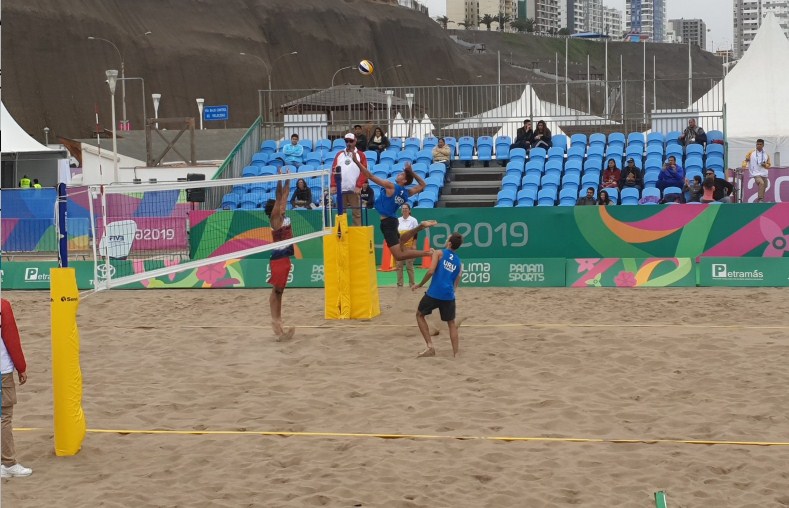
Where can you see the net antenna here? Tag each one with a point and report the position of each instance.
(144, 231)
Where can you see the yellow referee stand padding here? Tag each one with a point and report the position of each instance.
(349, 272)
(66, 375)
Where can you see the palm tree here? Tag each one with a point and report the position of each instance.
(443, 21)
(487, 20)
(502, 20)
(522, 25)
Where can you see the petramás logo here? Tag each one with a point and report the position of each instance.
(32, 274)
(721, 271)
(527, 272)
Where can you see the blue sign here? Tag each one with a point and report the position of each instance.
(216, 113)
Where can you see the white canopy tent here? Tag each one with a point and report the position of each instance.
(509, 117)
(22, 155)
(756, 98)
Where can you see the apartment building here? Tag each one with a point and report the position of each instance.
(545, 14)
(748, 15)
(646, 17)
(693, 31)
(581, 16)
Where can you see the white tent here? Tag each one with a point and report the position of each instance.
(756, 100)
(22, 155)
(509, 117)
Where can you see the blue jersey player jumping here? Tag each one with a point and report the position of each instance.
(445, 270)
(388, 201)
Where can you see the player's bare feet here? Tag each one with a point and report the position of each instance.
(459, 321)
(427, 353)
(287, 334)
(276, 325)
(434, 331)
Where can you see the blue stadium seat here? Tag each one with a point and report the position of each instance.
(616, 139)
(518, 155)
(655, 138)
(636, 138)
(613, 194)
(655, 151)
(590, 180)
(396, 143)
(593, 165)
(535, 166)
(567, 197)
(712, 149)
(556, 153)
(504, 203)
(715, 162)
(338, 143)
(672, 138)
(314, 158)
(512, 181)
(714, 135)
(547, 197)
(554, 166)
(413, 144)
(578, 140)
(694, 163)
(387, 156)
(595, 151)
(437, 169)
(653, 192)
(651, 177)
(537, 153)
(671, 190)
(260, 159)
(508, 193)
(421, 168)
(323, 145)
(550, 181)
(250, 171)
(429, 142)
(690, 173)
(405, 156)
(576, 152)
(230, 201)
(573, 166)
(466, 148)
(531, 181)
(268, 146)
(571, 181)
(372, 156)
(453, 143)
(694, 149)
(676, 151)
(503, 148)
(514, 168)
(559, 141)
(630, 196)
(485, 148)
(653, 162)
(307, 144)
(527, 197)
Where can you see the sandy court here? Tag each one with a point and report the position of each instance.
(700, 364)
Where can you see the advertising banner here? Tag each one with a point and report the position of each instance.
(770, 272)
(513, 272)
(777, 187)
(628, 272)
(150, 233)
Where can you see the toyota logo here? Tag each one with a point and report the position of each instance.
(105, 271)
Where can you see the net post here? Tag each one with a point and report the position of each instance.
(62, 215)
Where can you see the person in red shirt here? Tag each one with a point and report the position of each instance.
(11, 358)
(611, 175)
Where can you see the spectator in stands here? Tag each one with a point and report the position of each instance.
(604, 199)
(523, 136)
(36, 185)
(693, 134)
(672, 175)
(442, 153)
(631, 176)
(611, 175)
(694, 189)
(708, 189)
(588, 199)
(361, 138)
(407, 222)
(12, 358)
(349, 164)
(378, 142)
(757, 162)
(542, 136)
(24, 182)
(302, 195)
(293, 154)
(367, 195)
(723, 189)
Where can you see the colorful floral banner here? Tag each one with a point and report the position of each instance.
(629, 272)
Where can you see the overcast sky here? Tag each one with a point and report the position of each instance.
(717, 14)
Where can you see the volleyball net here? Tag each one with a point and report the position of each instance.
(144, 231)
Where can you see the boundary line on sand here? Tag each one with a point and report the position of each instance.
(366, 324)
(422, 436)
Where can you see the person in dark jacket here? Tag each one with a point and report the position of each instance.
(302, 195)
(542, 136)
(723, 188)
(638, 176)
(523, 136)
(367, 195)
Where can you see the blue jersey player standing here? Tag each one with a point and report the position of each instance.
(445, 270)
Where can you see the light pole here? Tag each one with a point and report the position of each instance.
(388, 69)
(200, 103)
(157, 97)
(112, 80)
(389, 94)
(123, 75)
(409, 97)
(269, 68)
(142, 81)
(339, 71)
(46, 136)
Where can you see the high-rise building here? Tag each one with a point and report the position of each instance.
(690, 31)
(468, 12)
(748, 15)
(646, 17)
(591, 16)
(545, 14)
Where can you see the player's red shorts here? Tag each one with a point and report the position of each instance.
(280, 269)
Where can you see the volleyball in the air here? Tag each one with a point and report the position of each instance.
(365, 67)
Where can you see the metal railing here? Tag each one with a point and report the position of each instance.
(473, 110)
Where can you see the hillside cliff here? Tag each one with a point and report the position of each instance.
(54, 75)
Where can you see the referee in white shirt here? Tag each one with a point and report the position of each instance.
(407, 222)
(349, 163)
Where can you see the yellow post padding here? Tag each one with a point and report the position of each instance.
(66, 375)
(349, 272)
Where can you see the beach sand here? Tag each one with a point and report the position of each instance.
(660, 364)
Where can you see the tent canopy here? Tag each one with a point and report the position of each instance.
(16, 141)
